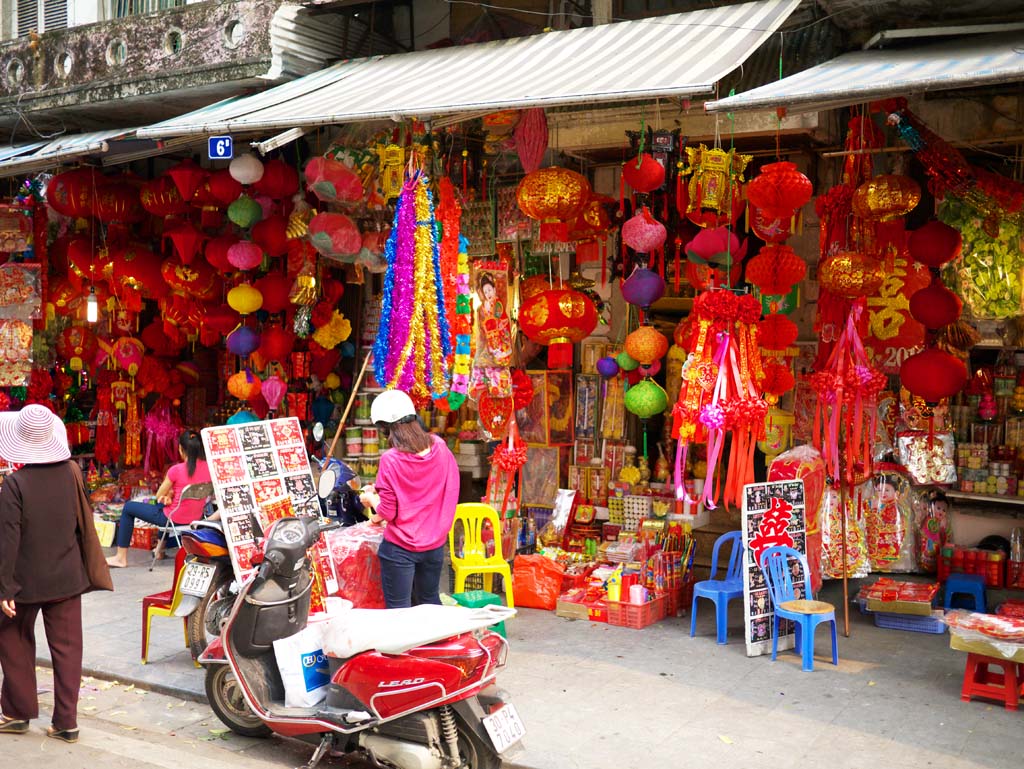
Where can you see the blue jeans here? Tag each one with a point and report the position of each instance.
(142, 511)
(410, 578)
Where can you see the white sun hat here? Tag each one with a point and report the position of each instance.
(33, 436)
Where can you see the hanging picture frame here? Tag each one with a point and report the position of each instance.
(540, 476)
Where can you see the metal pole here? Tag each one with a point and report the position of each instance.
(846, 587)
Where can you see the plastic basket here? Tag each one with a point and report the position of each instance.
(674, 605)
(910, 622)
(636, 615)
(476, 582)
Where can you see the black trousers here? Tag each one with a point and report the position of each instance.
(63, 623)
(410, 578)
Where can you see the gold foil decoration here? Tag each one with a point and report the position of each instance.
(851, 274)
(886, 197)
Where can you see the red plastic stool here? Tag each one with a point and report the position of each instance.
(979, 681)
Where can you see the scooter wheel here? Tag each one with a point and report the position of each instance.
(227, 702)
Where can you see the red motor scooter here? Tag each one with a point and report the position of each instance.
(409, 688)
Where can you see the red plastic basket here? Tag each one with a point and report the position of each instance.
(674, 604)
(636, 615)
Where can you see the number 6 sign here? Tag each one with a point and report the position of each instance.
(220, 148)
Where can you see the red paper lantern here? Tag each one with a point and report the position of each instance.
(186, 240)
(776, 332)
(935, 305)
(558, 318)
(78, 346)
(64, 297)
(279, 180)
(276, 343)
(851, 274)
(160, 197)
(530, 287)
(272, 235)
(187, 177)
(196, 279)
(779, 190)
(776, 269)
(643, 233)
(335, 235)
(643, 173)
(138, 269)
(217, 252)
(71, 193)
(275, 287)
(223, 187)
(933, 375)
(117, 201)
(332, 181)
(221, 319)
(934, 244)
(778, 380)
(245, 255)
(554, 196)
(770, 229)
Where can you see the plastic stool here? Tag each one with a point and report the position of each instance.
(474, 599)
(967, 584)
(979, 681)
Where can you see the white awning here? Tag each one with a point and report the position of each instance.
(678, 55)
(38, 156)
(862, 76)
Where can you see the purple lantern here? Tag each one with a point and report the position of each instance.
(643, 288)
(607, 367)
(243, 341)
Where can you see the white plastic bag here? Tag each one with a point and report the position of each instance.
(303, 666)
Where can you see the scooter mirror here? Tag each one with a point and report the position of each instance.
(318, 432)
(326, 484)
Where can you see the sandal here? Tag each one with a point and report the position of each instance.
(13, 725)
(66, 735)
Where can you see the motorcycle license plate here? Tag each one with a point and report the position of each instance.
(196, 578)
(504, 727)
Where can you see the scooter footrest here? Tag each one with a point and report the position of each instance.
(344, 717)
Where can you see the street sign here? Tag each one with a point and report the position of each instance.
(220, 148)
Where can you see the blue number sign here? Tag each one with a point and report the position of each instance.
(220, 148)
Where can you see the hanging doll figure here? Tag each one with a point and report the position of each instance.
(932, 531)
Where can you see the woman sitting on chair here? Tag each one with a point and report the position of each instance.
(169, 507)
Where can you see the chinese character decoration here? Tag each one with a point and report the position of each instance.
(773, 531)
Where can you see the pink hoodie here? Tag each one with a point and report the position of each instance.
(418, 496)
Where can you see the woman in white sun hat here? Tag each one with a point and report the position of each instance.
(45, 543)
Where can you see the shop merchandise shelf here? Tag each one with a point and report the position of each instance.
(910, 622)
(997, 498)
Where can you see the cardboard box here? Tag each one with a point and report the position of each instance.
(571, 610)
(981, 647)
(917, 608)
(105, 531)
(597, 611)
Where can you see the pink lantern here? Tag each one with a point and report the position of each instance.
(128, 353)
(245, 255)
(332, 181)
(273, 390)
(335, 235)
(643, 233)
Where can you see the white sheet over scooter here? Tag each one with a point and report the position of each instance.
(395, 631)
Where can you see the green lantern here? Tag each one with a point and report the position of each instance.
(626, 361)
(245, 212)
(646, 399)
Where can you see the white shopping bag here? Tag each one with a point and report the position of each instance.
(303, 665)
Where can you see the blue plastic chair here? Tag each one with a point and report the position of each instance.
(805, 612)
(720, 591)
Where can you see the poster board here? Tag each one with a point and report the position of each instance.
(773, 514)
(261, 473)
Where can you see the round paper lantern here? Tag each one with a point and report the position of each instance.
(86, 266)
(279, 180)
(118, 201)
(778, 380)
(245, 255)
(244, 385)
(187, 177)
(246, 169)
(553, 196)
(646, 399)
(64, 297)
(275, 287)
(243, 340)
(332, 181)
(626, 362)
(776, 332)
(779, 190)
(934, 244)
(335, 235)
(593, 220)
(160, 197)
(217, 252)
(245, 299)
(78, 346)
(245, 211)
(198, 279)
(272, 235)
(933, 375)
(558, 318)
(643, 173)
(224, 187)
(128, 353)
(771, 229)
(776, 269)
(643, 287)
(646, 345)
(935, 306)
(139, 269)
(273, 390)
(851, 274)
(221, 319)
(886, 197)
(607, 367)
(71, 193)
(277, 343)
(533, 285)
(643, 233)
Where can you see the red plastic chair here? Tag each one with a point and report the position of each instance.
(163, 605)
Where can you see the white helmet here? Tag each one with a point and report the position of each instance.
(391, 407)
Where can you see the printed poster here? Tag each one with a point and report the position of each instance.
(261, 473)
(773, 514)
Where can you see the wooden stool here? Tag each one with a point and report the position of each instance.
(979, 681)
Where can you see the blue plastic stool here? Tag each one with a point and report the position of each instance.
(972, 585)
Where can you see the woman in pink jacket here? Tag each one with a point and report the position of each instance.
(415, 494)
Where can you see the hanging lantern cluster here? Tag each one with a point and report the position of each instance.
(779, 191)
(776, 269)
(709, 189)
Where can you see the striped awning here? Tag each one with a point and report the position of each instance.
(38, 156)
(862, 76)
(678, 55)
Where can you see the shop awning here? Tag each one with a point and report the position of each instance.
(863, 76)
(41, 155)
(678, 55)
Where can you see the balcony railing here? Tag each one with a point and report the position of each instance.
(123, 8)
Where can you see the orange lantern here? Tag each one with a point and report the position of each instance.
(646, 345)
(558, 318)
(555, 197)
(244, 385)
(886, 197)
(851, 274)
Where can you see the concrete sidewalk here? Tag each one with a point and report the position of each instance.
(595, 696)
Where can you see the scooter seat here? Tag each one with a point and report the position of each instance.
(395, 631)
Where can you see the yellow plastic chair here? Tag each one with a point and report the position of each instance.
(474, 558)
(164, 605)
